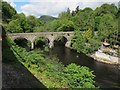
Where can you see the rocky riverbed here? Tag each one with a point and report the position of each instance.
(102, 57)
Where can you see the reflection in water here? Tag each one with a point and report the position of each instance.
(107, 76)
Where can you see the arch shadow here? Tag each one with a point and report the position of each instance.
(23, 42)
(41, 42)
(60, 40)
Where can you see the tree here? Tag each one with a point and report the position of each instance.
(52, 26)
(22, 21)
(59, 25)
(7, 12)
(84, 20)
(88, 34)
(77, 9)
(65, 15)
(68, 11)
(97, 22)
(79, 76)
(33, 23)
(73, 13)
(78, 42)
(14, 27)
(94, 44)
(87, 10)
(66, 25)
(105, 27)
(106, 9)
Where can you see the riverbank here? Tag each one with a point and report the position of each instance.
(104, 58)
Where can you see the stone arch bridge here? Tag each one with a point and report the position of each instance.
(51, 36)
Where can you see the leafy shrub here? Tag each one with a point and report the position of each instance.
(79, 76)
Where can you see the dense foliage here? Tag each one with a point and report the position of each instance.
(7, 12)
(79, 77)
(23, 24)
(50, 71)
(92, 26)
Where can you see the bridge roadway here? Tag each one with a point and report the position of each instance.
(51, 36)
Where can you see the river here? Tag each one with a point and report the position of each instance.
(107, 76)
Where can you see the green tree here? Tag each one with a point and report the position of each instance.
(79, 76)
(87, 10)
(73, 13)
(21, 18)
(33, 23)
(65, 14)
(88, 34)
(78, 42)
(59, 25)
(7, 12)
(14, 27)
(97, 22)
(106, 9)
(94, 44)
(77, 9)
(66, 25)
(84, 20)
(52, 26)
(105, 27)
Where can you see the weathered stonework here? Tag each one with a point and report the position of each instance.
(51, 36)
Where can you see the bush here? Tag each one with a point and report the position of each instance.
(79, 76)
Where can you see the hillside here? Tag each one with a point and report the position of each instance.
(46, 18)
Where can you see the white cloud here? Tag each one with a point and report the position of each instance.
(54, 7)
(11, 3)
(47, 7)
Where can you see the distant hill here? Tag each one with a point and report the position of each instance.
(46, 18)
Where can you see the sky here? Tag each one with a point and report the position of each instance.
(54, 7)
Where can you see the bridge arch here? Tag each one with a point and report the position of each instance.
(60, 40)
(23, 42)
(41, 41)
(19, 37)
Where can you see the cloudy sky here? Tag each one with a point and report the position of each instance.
(53, 7)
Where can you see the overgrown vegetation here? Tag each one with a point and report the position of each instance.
(51, 72)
